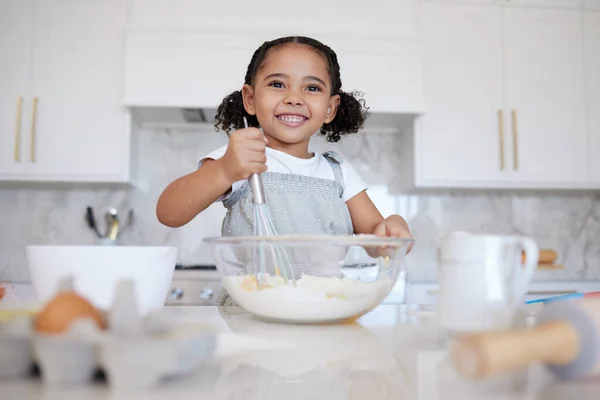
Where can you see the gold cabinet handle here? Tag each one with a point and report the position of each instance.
(18, 130)
(515, 141)
(33, 128)
(501, 134)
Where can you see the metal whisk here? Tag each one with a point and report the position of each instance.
(263, 226)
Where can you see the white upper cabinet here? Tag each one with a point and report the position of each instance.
(545, 97)
(388, 72)
(390, 18)
(592, 57)
(188, 69)
(183, 69)
(458, 136)
(184, 53)
(504, 91)
(15, 38)
(82, 129)
(507, 92)
(66, 64)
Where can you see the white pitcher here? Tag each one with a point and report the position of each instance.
(483, 280)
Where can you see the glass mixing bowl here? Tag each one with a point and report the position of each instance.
(309, 279)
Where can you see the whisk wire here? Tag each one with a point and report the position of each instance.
(264, 226)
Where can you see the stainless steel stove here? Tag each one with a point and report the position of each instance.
(194, 285)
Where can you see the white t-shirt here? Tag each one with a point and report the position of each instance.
(317, 167)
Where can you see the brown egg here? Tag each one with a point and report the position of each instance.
(64, 308)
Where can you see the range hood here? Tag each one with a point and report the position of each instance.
(178, 78)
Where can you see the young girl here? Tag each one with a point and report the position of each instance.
(292, 90)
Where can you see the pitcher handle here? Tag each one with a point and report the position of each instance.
(524, 272)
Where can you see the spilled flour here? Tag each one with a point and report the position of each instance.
(313, 299)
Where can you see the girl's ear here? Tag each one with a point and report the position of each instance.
(248, 99)
(334, 103)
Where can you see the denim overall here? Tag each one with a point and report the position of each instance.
(299, 204)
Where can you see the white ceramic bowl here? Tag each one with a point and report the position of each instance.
(97, 269)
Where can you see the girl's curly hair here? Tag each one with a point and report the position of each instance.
(351, 113)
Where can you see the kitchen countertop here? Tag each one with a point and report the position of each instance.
(394, 352)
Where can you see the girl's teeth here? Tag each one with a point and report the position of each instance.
(291, 118)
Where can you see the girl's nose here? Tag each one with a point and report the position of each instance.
(294, 99)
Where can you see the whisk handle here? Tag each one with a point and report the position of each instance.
(255, 181)
(256, 185)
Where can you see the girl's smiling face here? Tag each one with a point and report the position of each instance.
(291, 96)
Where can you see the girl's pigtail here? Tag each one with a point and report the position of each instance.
(350, 117)
(231, 112)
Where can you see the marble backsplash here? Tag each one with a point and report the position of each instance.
(40, 214)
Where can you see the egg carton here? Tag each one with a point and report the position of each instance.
(132, 352)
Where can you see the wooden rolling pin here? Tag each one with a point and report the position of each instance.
(547, 256)
(566, 339)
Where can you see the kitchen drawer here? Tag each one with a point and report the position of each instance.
(193, 292)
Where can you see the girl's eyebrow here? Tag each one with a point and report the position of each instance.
(284, 76)
(314, 78)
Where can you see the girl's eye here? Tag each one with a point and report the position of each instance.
(314, 88)
(276, 84)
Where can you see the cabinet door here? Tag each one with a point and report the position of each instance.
(545, 100)
(15, 49)
(387, 19)
(592, 59)
(161, 69)
(383, 58)
(458, 137)
(81, 128)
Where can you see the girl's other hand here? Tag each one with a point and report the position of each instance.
(394, 226)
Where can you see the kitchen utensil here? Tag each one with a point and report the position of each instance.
(263, 226)
(564, 297)
(482, 280)
(566, 339)
(547, 256)
(96, 269)
(91, 221)
(128, 222)
(108, 221)
(325, 290)
(112, 221)
(114, 229)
